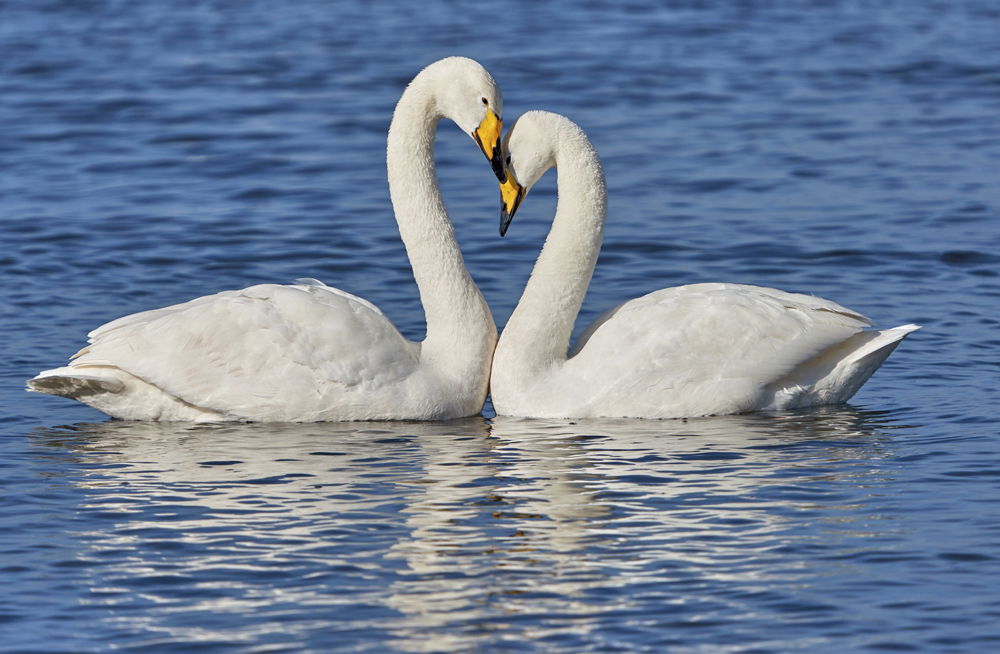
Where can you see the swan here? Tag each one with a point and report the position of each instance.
(695, 350)
(308, 352)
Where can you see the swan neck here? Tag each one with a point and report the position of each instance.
(543, 321)
(459, 323)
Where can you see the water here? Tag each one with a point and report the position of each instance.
(155, 152)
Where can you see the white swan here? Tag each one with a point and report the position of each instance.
(703, 349)
(309, 352)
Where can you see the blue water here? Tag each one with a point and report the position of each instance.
(154, 152)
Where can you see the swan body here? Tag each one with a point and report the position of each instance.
(696, 350)
(309, 352)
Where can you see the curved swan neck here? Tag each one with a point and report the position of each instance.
(543, 321)
(458, 318)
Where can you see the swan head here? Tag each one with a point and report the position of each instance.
(529, 149)
(466, 93)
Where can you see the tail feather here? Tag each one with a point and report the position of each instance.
(70, 383)
(838, 373)
(118, 394)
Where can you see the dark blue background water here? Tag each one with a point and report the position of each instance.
(154, 152)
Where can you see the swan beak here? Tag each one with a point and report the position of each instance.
(487, 136)
(511, 194)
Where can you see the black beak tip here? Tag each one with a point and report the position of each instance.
(498, 168)
(496, 161)
(505, 219)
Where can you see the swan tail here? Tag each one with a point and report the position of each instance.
(71, 383)
(117, 393)
(838, 373)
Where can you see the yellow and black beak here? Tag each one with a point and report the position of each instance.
(511, 194)
(487, 136)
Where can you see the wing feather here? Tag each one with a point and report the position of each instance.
(713, 346)
(267, 345)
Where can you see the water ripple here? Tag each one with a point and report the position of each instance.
(156, 152)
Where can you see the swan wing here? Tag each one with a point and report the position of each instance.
(267, 350)
(708, 348)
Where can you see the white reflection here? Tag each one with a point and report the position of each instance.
(456, 525)
(223, 508)
(587, 469)
(638, 491)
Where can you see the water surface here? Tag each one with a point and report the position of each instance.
(152, 153)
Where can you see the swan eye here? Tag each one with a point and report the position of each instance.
(486, 102)
(508, 159)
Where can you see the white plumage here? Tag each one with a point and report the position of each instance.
(702, 349)
(309, 352)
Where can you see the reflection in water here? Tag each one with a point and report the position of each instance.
(591, 475)
(437, 536)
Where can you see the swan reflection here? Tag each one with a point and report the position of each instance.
(435, 534)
